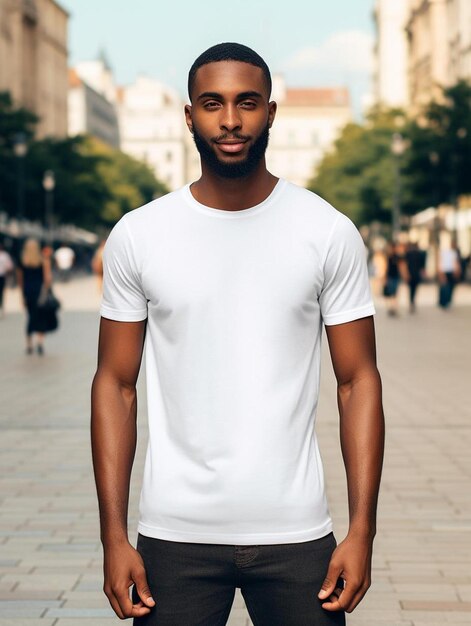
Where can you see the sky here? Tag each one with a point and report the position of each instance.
(313, 43)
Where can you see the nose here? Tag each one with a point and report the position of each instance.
(230, 119)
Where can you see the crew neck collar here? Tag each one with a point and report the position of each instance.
(224, 214)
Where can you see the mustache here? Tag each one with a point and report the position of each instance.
(232, 136)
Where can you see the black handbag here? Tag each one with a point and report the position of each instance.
(47, 308)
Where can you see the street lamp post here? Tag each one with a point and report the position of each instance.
(49, 184)
(20, 149)
(398, 147)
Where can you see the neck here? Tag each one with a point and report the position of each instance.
(233, 194)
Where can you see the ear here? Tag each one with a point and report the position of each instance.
(188, 119)
(271, 113)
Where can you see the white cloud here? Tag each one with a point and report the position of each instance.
(347, 51)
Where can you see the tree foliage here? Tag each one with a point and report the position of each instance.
(439, 163)
(358, 175)
(13, 122)
(95, 184)
(132, 182)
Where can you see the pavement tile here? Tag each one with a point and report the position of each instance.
(6, 605)
(30, 594)
(436, 605)
(364, 621)
(92, 601)
(80, 612)
(428, 623)
(6, 587)
(464, 592)
(14, 621)
(64, 621)
(430, 617)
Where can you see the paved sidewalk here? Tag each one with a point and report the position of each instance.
(50, 554)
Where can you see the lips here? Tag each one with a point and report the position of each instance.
(231, 146)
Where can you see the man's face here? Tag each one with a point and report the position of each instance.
(230, 117)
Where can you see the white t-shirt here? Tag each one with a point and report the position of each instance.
(234, 302)
(449, 260)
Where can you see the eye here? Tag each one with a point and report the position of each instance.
(211, 104)
(248, 104)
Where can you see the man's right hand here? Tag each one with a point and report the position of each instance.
(123, 566)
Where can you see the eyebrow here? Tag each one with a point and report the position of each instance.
(240, 96)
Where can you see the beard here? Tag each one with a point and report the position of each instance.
(239, 169)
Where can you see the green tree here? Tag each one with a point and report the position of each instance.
(95, 184)
(79, 194)
(130, 182)
(357, 176)
(14, 121)
(440, 160)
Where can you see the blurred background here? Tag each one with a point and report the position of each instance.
(374, 114)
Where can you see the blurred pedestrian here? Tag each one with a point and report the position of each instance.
(97, 263)
(415, 260)
(449, 274)
(378, 266)
(396, 269)
(64, 257)
(6, 266)
(33, 273)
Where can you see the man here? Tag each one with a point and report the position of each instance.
(232, 278)
(449, 273)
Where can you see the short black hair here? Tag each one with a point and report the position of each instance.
(228, 52)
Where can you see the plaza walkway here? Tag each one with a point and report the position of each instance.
(50, 554)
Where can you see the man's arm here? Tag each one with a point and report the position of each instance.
(113, 437)
(353, 352)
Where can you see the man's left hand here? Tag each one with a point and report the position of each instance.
(351, 562)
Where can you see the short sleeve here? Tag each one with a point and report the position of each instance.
(123, 296)
(346, 293)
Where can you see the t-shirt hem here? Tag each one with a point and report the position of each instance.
(241, 539)
(123, 316)
(349, 316)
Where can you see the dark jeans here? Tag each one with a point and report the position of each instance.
(445, 291)
(413, 284)
(193, 584)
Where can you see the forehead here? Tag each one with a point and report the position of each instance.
(229, 78)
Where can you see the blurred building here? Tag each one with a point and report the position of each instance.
(391, 52)
(90, 112)
(439, 33)
(98, 74)
(33, 53)
(92, 101)
(459, 40)
(427, 29)
(153, 129)
(307, 122)
(421, 46)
